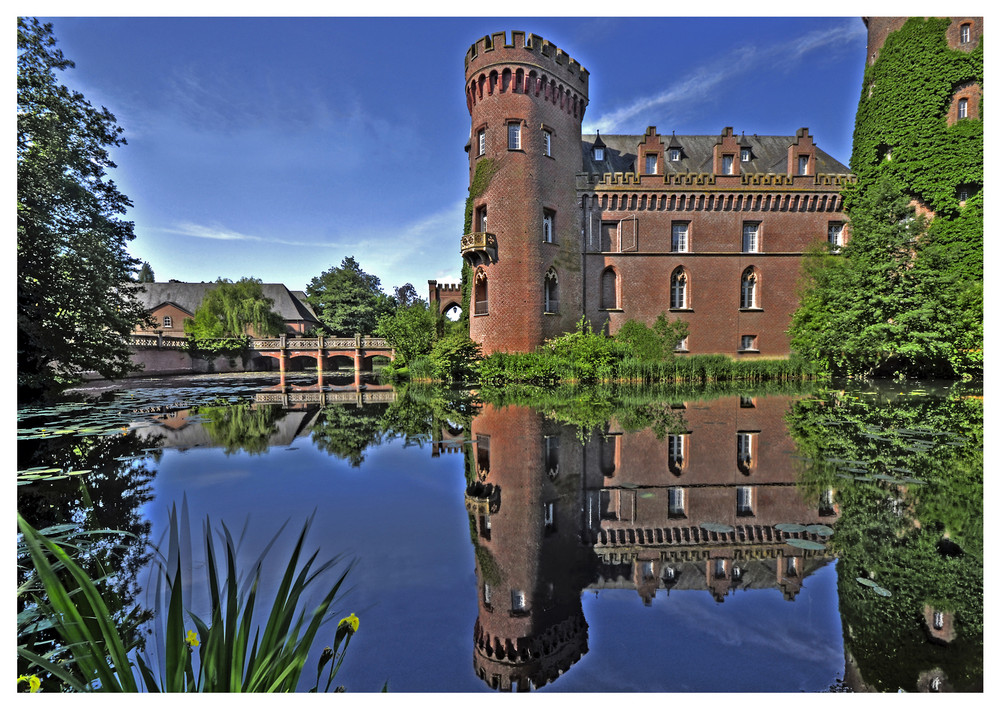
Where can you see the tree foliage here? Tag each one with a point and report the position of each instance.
(234, 309)
(905, 297)
(76, 302)
(347, 300)
(146, 275)
(410, 329)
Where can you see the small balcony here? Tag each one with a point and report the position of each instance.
(479, 248)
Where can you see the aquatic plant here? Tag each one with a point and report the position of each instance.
(235, 652)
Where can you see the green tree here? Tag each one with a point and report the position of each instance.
(234, 309)
(76, 303)
(146, 275)
(347, 300)
(406, 295)
(411, 330)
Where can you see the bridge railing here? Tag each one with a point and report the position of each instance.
(326, 343)
(158, 341)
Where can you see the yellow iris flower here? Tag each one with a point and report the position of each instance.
(192, 639)
(34, 682)
(351, 621)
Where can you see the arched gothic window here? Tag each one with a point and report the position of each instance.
(679, 288)
(481, 294)
(748, 289)
(551, 292)
(609, 288)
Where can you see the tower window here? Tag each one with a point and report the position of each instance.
(482, 142)
(938, 620)
(552, 455)
(963, 108)
(513, 136)
(679, 236)
(965, 34)
(481, 294)
(551, 292)
(547, 143)
(481, 219)
(548, 226)
(517, 600)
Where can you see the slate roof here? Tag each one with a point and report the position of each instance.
(290, 305)
(769, 154)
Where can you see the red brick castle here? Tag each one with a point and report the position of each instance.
(709, 229)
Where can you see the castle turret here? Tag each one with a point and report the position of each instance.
(526, 98)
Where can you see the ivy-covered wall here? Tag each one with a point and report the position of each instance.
(905, 99)
(486, 168)
(905, 298)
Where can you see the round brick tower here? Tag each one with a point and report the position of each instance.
(527, 99)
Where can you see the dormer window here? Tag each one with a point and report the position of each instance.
(744, 155)
(598, 153)
(675, 155)
(651, 163)
(727, 165)
(803, 165)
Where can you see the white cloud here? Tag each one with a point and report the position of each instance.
(740, 62)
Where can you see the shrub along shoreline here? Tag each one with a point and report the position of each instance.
(636, 354)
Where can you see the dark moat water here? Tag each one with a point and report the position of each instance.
(765, 540)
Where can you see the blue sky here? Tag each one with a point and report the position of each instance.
(275, 147)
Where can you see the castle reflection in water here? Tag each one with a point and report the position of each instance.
(552, 517)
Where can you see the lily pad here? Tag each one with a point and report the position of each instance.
(805, 544)
(823, 530)
(790, 527)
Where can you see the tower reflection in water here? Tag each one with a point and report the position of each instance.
(696, 509)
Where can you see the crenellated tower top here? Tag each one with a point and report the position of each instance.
(526, 64)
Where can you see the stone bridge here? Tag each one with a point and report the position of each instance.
(360, 349)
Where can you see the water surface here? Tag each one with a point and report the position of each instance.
(618, 541)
